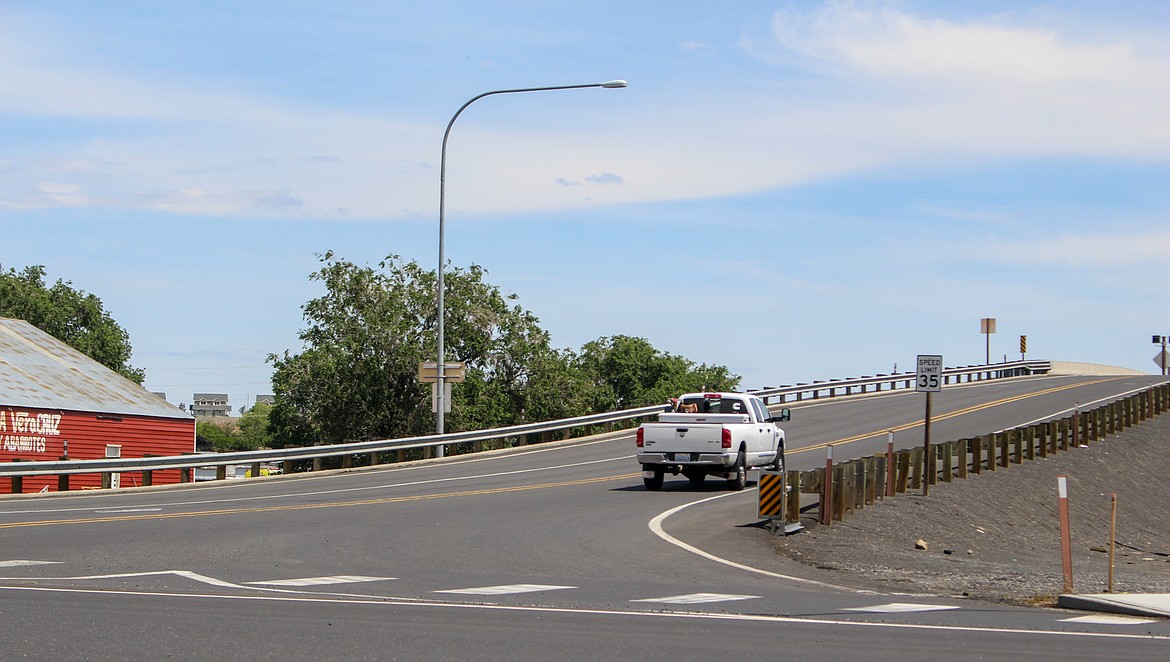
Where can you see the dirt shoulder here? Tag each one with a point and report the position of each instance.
(996, 536)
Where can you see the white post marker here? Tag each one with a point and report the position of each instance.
(1065, 533)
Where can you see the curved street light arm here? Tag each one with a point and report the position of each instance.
(440, 395)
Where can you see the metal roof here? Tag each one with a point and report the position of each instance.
(39, 371)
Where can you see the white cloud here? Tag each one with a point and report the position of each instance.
(605, 178)
(857, 86)
(697, 47)
(1122, 249)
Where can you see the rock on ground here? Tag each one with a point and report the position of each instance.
(996, 536)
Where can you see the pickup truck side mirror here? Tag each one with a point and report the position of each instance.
(783, 416)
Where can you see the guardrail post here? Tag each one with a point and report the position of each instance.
(147, 474)
(827, 487)
(918, 464)
(346, 461)
(948, 457)
(903, 471)
(873, 473)
(839, 490)
(963, 448)
(977, 444)
(794, 486)
(63, 479)
(221, 472)
(17, 481)
(890, 470)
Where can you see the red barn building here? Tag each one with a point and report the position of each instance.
(56, 402)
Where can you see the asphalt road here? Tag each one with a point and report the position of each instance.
(552, 550)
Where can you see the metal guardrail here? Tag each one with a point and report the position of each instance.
(816, 390)
(772, 395)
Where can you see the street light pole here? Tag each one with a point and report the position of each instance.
(440, 394)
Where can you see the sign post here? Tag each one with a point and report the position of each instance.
(987, 327)
(1163, 357)
(929, 381)
(428, 371)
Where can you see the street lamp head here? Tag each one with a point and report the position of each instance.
(614, 83)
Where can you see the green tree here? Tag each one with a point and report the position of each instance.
(219, 437)
(628, 372)
(76, 318)
(357, 377)
(253, 427)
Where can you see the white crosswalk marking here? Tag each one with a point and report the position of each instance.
(320, 581)
(900, 608)
(1107, 619)
(506, 590)
(22, 562)
(697, 598)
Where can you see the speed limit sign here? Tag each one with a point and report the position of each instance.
(929, 373)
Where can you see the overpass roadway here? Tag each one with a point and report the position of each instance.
(546, 550)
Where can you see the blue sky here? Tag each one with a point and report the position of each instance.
(873, 177)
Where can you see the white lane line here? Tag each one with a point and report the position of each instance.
(15, 563)
(698, 598)
(321, 581)
(129, 510)
(1106, 619)
(656, 527)
(901, 608)
(506, 590)
(382, 603)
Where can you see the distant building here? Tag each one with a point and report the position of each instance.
(266, 399)
(211, 405)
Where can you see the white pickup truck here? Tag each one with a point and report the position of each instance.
(719, 434)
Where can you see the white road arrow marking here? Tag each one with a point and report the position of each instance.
(901, 608)
(321, 581)
(21, 562)
(1106, 619)
(698, 598)
(506, 590)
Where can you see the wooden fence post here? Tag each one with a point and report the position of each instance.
(903, 471)
(918, 466)
(964, 449)
(792, 507)
(827, 488)
(839, 490)
(948, 456)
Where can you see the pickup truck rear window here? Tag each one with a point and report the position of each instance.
(715, 405)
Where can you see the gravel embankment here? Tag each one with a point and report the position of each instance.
(996, 536)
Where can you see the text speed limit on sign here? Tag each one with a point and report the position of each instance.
(929, 373)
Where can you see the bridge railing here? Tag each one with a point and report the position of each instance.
(549, 429)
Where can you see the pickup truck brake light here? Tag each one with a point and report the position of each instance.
(640, 438)
(726, 438)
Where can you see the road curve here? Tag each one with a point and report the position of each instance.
(553, 549)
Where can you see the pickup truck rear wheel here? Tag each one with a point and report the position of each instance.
(654, 482)
(738, 480)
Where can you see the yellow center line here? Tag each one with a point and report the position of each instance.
(311, 506)
(943, 417)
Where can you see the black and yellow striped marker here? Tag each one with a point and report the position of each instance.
(771, 494)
